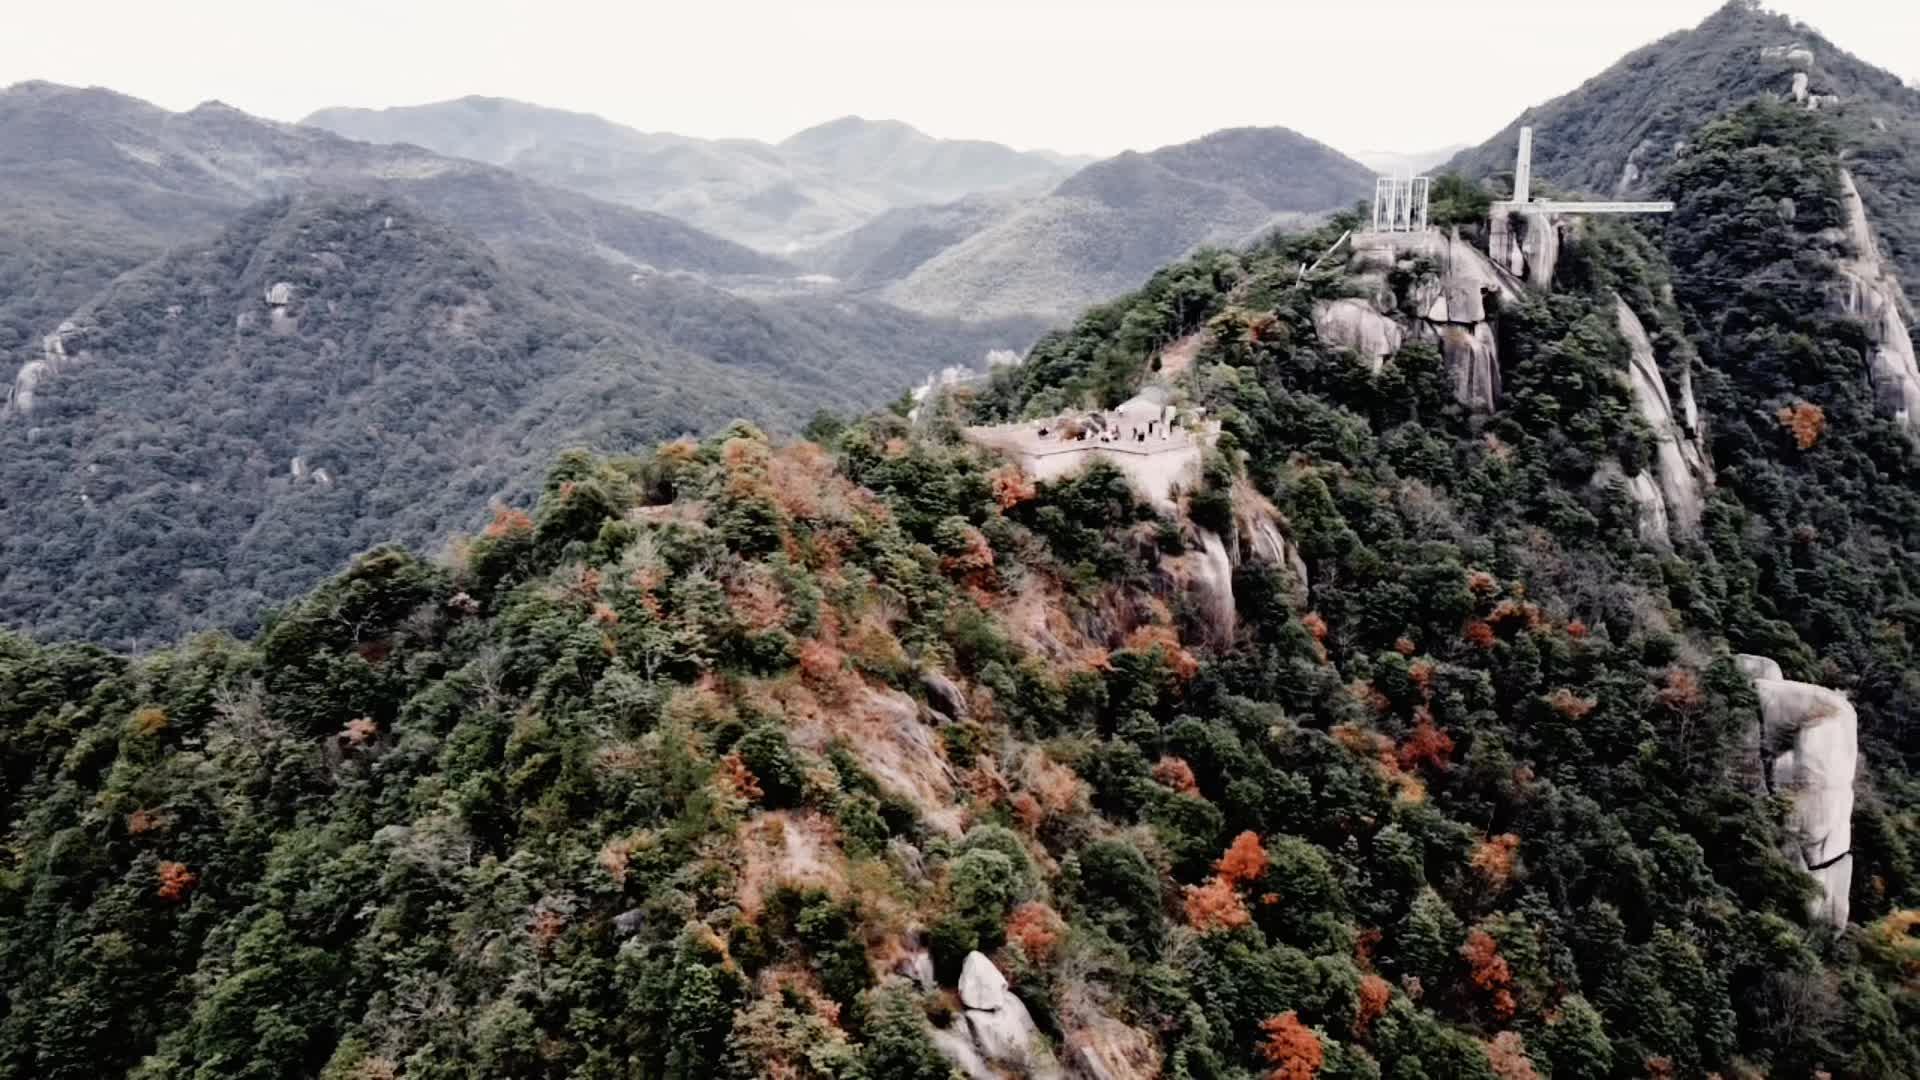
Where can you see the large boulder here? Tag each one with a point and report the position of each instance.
(1811, 734)
(996, 1036)
(981, 984)
(1354, 324)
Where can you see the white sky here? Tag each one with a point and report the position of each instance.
(1084, 76)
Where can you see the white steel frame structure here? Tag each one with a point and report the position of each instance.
(1400, 203)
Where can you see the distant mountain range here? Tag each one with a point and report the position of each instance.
(778, 197)
(950, 228)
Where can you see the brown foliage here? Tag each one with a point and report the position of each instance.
(141, 822)
(1405, 646)
(1011, 487)
(1421, 672)
(1570, 705)
(1426, 744)
(1177, 774)
(1036, 929)
(1291, 1048)
(1215, 906)
(507, 522)
(1375, 993)
(1577, 630)
(1493, 858)
(740, 779)
(1804, 421)
(1478, 634)
(176, 881)
(1482, 584)
(147, 720)
(1245, 860)
(1507, 1056)
(1315, 624)
(1489, 972)
(545, 928)
(359, 731)
(1148, 638)
(1682, 692)
(973, 565)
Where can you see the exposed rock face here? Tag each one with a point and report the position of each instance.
(1799, 86)
(1206, 574)
(1354, 324)
(1107, 1049)
(945, 697)
(54, 359)
(1537, 254)
(1874, 296)
(1672, 499)
(997, 1036)
(1261, 536)
(1817, 731)
(1451, 305)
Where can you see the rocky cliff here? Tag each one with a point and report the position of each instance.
(1807, 746)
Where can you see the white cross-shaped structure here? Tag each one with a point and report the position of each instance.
(1523, 192)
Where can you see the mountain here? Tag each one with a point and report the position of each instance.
(1108, 226)
(1620, 130)
(1485, 676)
(812, 185)
(419, 331)
(98, 182)
(915, 168)
(894, 244)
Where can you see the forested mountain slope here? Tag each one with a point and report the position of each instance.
(1621, 129)
(880, 759)
(808, 187)
(221, 428)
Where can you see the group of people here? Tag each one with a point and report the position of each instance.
(1108, 430)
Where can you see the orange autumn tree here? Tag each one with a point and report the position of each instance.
(1804, 421)
(176, 881)
(1291, 1048)
(1375, 994)
(1244, 862)
(1215, 906)
(1489, 972)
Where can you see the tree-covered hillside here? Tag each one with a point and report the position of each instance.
(724, 758)
(198, 449)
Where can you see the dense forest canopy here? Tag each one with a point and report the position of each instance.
(721, 759)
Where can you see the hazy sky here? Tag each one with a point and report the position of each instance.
(1087, 76)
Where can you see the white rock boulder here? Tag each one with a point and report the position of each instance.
(1820, 732)
(1354, 324)
(996, 1035)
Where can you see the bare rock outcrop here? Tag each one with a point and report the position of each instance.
(1874, 295)
(1261, 536)
(1205, 573)
(1354, 324)
(58, 352)
(1107, 1049)
(1807, 742)
(996, 1035)
(1454, 307)
(1672, 499)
